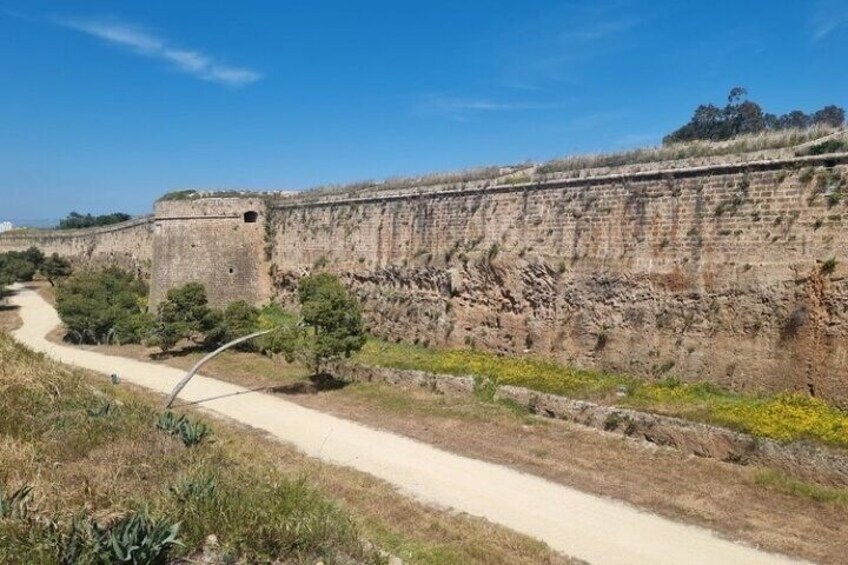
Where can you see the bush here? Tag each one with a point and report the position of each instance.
(236, 320)
(184, 314)
(55, 267)
(829, 266)
(103, 306)
(20, 266)
(330, 327)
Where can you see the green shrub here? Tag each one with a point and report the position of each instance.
(237, 320)
(825, 147)
(20, 266)
(330, 327)
(54, 268)
(194, 488)
(184, 314)
(178, 195)
(103, 306)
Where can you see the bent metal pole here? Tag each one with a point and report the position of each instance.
(190, 374)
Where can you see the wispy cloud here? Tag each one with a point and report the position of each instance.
(598, 30)
(190, 62)
(462, 108)
(555, 46)
(827, 17)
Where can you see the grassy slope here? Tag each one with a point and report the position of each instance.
(86, 454)
(267, 500)
(785, 417)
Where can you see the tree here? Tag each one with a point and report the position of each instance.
(17, 266)
(795, 119)
(237, 320)
(737, 95)
(330, 324)
(184, 314)
(832, 116)
(55, 267)
(742, 116)
(75, 220)
(101, 306)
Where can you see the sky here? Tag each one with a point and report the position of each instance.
(105, 105)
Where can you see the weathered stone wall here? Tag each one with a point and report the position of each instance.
(209, 241)
(715, 273)
(718, 273)
(128, 245)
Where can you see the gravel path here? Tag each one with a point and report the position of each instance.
(588, 527)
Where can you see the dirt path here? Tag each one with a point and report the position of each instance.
(581, 525)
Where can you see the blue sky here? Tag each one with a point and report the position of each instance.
(107, 105)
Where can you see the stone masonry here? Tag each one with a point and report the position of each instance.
(733, 273)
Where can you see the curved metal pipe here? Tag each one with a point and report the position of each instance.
(190, 374)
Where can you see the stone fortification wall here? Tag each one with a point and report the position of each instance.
(733, 273)
(219, 242)
(128, 245)
(721, 272)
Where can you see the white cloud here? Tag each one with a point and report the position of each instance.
(193, 63)
(460, 108)
(827, 18)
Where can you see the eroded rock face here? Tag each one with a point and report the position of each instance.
(788, 335)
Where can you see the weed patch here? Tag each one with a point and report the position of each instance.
(780, 482)
(784, 417)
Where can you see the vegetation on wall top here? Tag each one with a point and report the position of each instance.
(75, 220)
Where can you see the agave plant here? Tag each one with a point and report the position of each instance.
(137, 539)
(15, 505)
(191, 433)
(103, 409)
(194, 488)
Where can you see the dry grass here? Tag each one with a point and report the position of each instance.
(267, 493)
(693, 149)
(757, 145)
(9, 317)
(728, 498)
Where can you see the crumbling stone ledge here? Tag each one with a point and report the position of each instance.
(801, 459)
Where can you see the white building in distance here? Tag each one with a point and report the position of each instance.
(6, 226)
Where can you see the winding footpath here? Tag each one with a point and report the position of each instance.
(588, 527)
